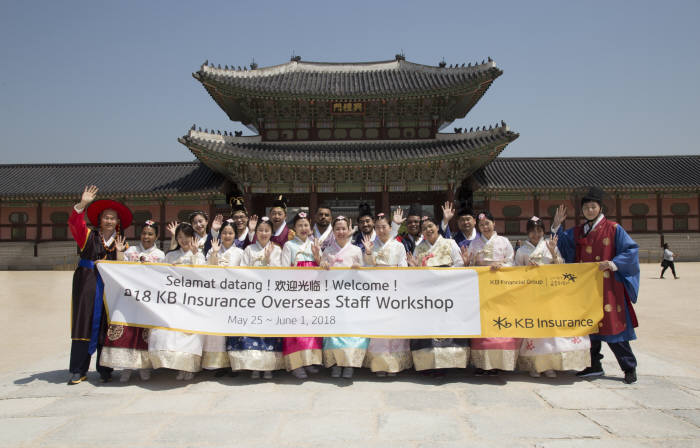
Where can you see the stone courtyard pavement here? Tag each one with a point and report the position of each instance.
(411, 410)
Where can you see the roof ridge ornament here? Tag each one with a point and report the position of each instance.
(442, 63)
(253, 64)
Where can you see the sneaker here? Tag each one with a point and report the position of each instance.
(534, 374)
(300, 373)
(347, 372)
(255, 375)
(189, 376)
(311, 369)
(145, 374)
(550, 373)
(479, 372)
(267, 374)
(676, 278)
(336, 371)
(591, 371)
(76, 378)
(124, 377)
(180, 375)
(631, 376)
(492, 372)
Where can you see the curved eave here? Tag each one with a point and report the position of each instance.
(73, 196)
(572, 189)
(387, 153)
(219, 85)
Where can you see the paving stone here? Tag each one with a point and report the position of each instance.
(25, 430)
(409, 399)
(157, 403)
(246, 399)
(219, 430)
(513, 423)
(689, 415)
(131, 430)
(569, 398)
(347, 399)
(82, 405)
(642, 423)
(686, 382)
(419, 425)
(662, 398)
(476, 443)
(502, 396)
(604, 442)
(329, 426)
(19, 407)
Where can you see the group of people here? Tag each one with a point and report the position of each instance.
(332, 241)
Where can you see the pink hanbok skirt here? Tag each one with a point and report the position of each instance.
(301, 352)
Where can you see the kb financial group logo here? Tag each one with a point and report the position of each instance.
(505, 323)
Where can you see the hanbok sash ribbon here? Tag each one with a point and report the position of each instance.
(97, 308)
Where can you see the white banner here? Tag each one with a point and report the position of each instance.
(368, 302)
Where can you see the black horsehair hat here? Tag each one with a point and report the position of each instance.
(280, 202)
(415, 210)
(237, 205)
(365, 210)
(594, 194)
(464, 209)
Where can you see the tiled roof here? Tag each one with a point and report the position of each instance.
(570, 173)
(113, 179)
(386, 152)
(349, 80)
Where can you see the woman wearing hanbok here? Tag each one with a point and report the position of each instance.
(255, 353)
(548, 354)
(386, 356)
(107, 217)
(199, 221)
(127, 347)
(226, 253)
(343, 354)
(302, 355)
(489, 355)
(436, 251)
(174, 349)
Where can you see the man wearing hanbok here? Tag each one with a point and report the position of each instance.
(278, 215)
(605, 242)
(239, 215)
(88, 316)
(365, 225)
(467, 226)
(412, 237)
(322, 230)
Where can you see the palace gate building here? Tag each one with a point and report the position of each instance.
(339, 134)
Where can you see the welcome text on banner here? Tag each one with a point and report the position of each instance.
(536, 301)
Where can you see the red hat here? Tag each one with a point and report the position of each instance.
(98, 207)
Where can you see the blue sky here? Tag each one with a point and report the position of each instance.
(99, 81)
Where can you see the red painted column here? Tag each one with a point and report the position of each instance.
(660, 213)
(313, 202)
(163, 222)
(39, 218)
